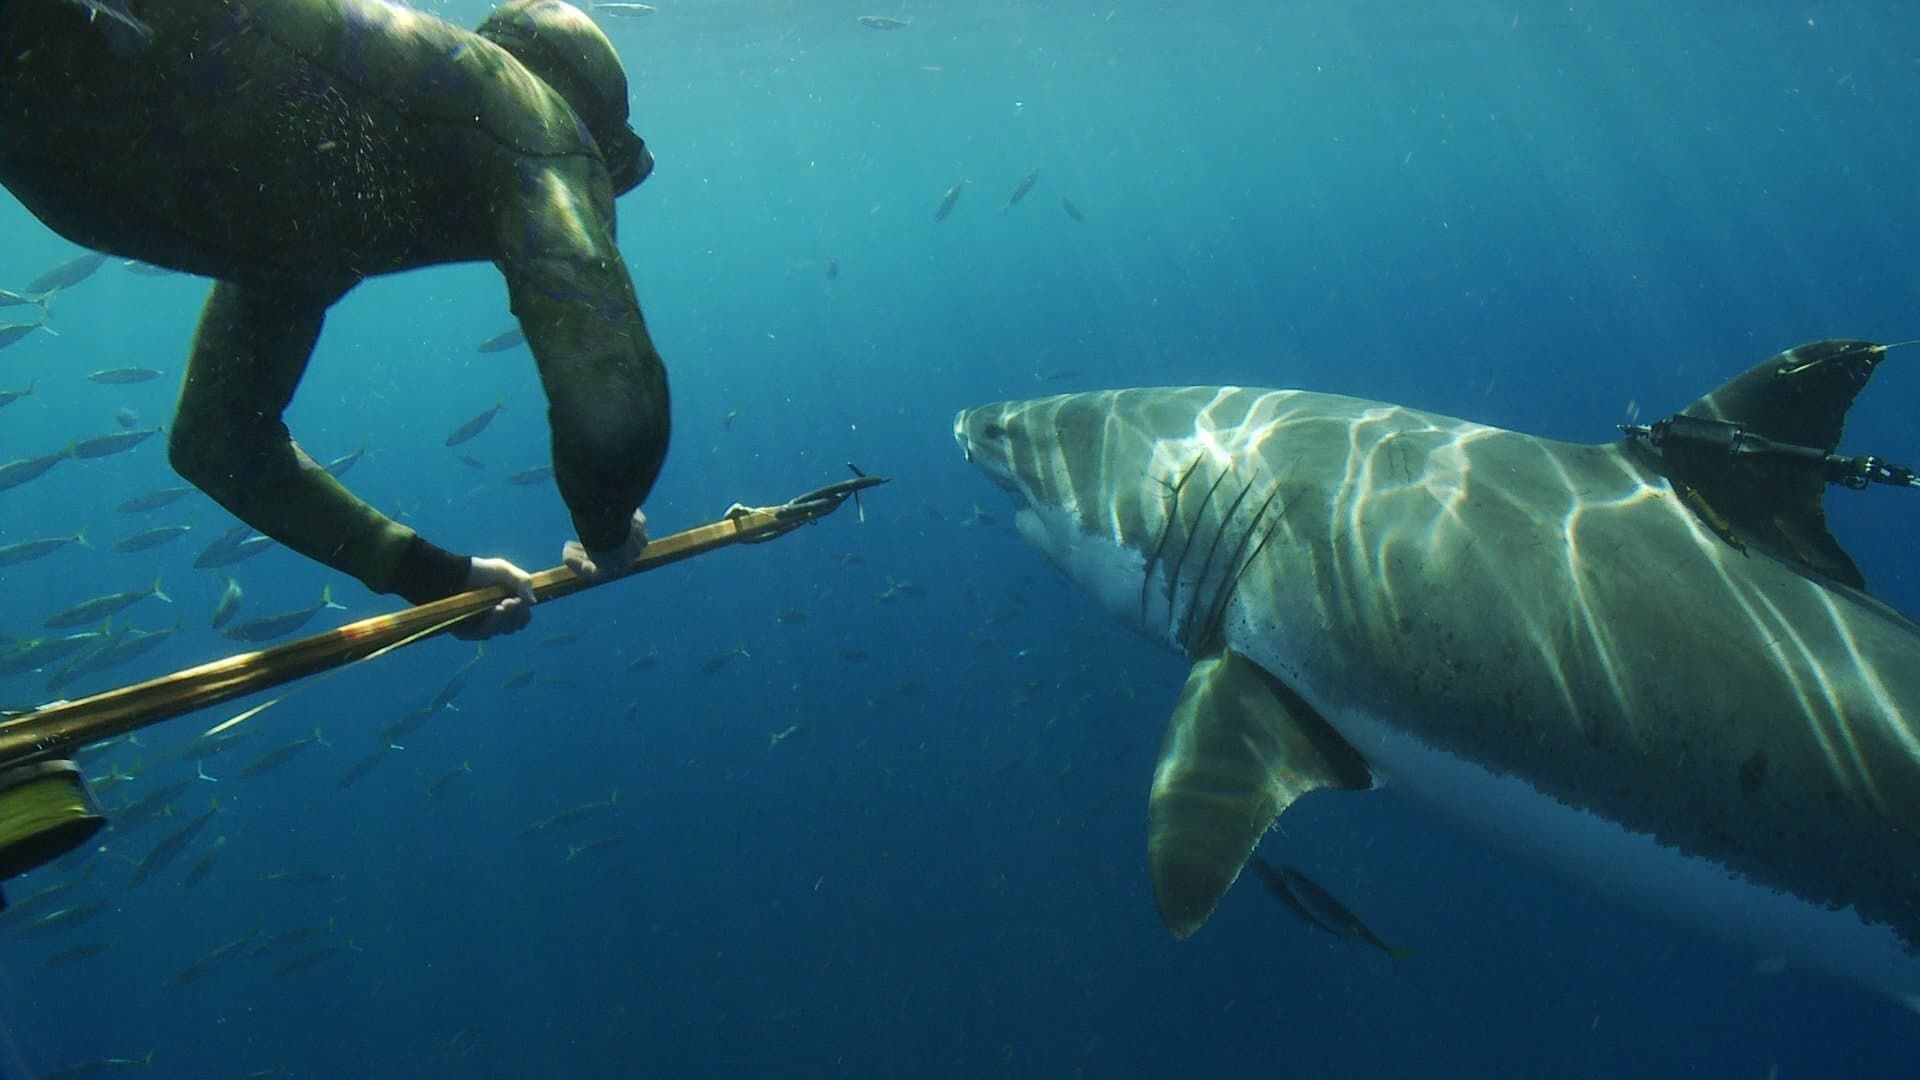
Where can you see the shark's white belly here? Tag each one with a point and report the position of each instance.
(1633, 866)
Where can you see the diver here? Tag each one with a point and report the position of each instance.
(290, 149)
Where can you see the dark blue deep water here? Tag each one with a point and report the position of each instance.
(1536, 215)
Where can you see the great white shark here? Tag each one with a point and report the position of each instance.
(1645, 663)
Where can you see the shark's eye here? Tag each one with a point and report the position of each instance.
(994, 431)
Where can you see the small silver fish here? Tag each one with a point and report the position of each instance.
(627, 10)
(338, 467)
(571, 814)
(574, 851)
(360, 769)
(152, 538)
(439, 786)
(1020, 190)
(126, 376)
(10, 333)
(8, 397)
(539, 474)
(278, 756)
(229, 605)
(474, 426)
(280, 625)
(715, 663)
(506, 339)
(946, 201)
(117, 443)
(154, 500)
(67, 274)
(884, 22)
(1307, 899)
(100, 607)
(9, 298)
(29, 550)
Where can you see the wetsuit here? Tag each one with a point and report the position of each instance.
(289, 149)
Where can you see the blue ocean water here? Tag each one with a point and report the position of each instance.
(1547, 216)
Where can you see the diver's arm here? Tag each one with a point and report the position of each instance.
(605, 383)
(228, 439)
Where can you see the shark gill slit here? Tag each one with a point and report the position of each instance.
(1171, 511)
(1242, 559)
(1191, 533)
(1186, 639)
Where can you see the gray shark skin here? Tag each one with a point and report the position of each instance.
(1634, 667)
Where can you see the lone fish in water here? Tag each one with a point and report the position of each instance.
(338, 467)
(946, 201)
(539, 474)
(884, 22)
(229, 605)
(715, 663)
(154, 500)
(13, 332)
(279, 756)
(126, 376)
(571, 814)
(29, 550)
(269, 627)
(204, 864)
(439, 786)
(360, 769)
(1305, 898)
(66, 275)
(574, 851)
(170, 846)
(9, 298)
(8, 397)
(152, 538)
(100, 607)
(626, 10)
(107, 445)
(1072, 211)
(15, 473)
(504, 340)
(474, 426)
(1020, 189)
(218, 553)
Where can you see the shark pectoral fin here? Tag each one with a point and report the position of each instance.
(1240, 749)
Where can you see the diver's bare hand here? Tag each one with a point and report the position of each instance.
(507, 616)
(597, 564)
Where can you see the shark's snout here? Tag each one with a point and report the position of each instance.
(982, 435)
(960, 434)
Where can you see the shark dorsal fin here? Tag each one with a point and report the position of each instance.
(1799, 397)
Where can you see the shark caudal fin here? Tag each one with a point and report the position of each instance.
(1239, 750)
(1772, 501)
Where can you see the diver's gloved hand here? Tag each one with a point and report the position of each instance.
(507, 616)
(598, 564)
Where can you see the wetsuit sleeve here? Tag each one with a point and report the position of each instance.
(228, 439)
(606, 386)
